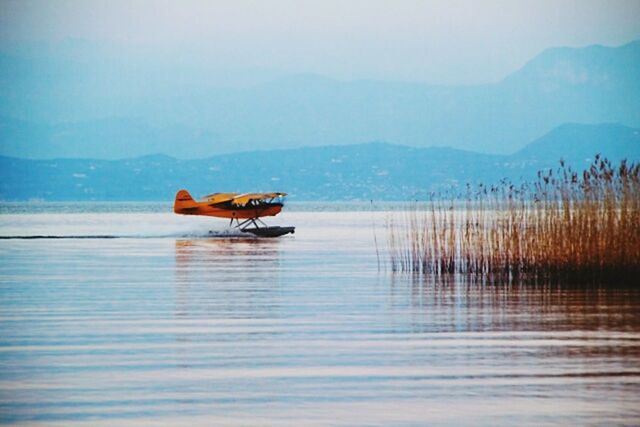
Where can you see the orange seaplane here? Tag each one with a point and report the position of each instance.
(245, 209)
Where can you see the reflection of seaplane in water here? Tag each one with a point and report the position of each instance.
(248, 207)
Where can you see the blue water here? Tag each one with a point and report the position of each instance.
(164, 325)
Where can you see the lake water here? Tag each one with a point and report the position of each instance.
(164, 325)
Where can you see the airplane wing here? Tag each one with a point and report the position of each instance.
(243, 199)
(215, 198)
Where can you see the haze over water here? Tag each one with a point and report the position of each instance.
(166, 325)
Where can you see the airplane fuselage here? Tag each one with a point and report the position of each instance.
(241, 212)
(186, 205)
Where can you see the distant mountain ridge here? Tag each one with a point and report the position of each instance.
(373, 171)
(91, 105)
(577, 143)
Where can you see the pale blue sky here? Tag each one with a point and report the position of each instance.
(430, 41)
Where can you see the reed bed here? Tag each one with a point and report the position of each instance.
(563, 224)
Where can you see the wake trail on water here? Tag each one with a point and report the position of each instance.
(113, 226)
(228, 233)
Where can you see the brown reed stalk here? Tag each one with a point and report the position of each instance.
(563, 224)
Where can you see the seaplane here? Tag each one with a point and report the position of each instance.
(245, 209)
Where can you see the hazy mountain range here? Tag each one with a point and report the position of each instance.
(80, 101)
(377, 171)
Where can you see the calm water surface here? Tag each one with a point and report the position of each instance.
(164, 325)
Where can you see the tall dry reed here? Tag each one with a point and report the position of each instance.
(565, 223)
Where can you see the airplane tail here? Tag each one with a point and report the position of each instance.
(184, 202)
